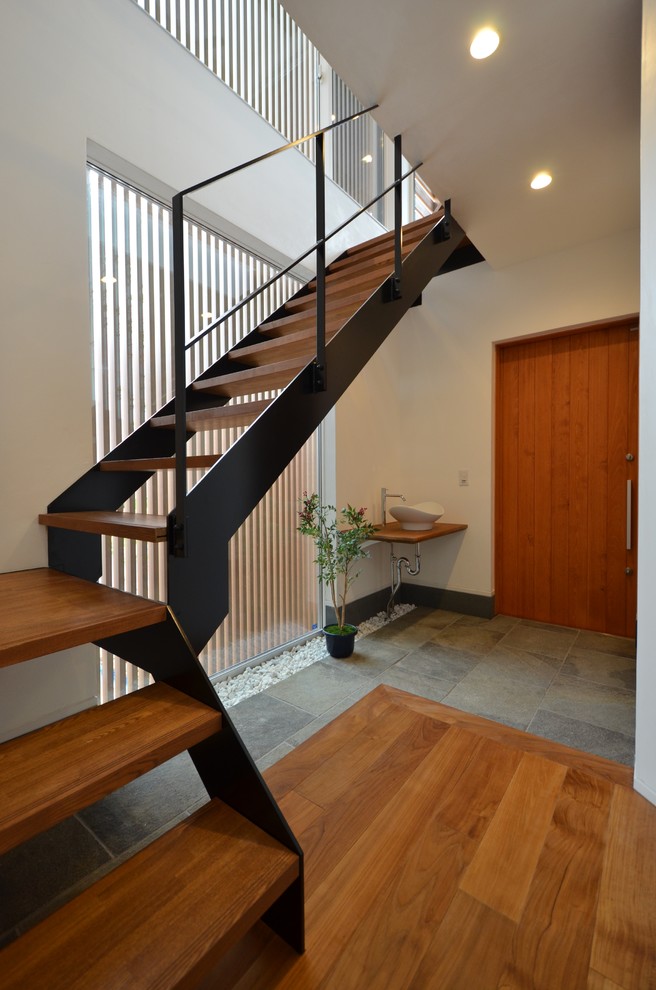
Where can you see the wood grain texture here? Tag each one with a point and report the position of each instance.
(275, 375)
(625, 933)
(43, 780)
(393, 533)
(387, 854)
(159, 463)
(501, 872)
(566, 417)
(218, 417)
(162, 918)
(43, 611)
(131, 525)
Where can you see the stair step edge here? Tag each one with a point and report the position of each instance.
(164, 917)
(44, 611)
(51, 773)
(133, 525)
(194, 462)
(217, 417)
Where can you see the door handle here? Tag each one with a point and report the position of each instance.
(628, 514)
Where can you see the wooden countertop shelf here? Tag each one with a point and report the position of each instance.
(393, 533)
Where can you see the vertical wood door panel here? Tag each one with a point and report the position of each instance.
(566, 419)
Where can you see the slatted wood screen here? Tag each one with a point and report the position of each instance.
(273, 579)
(258, 50)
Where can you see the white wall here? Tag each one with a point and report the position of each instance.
(101, 72)
(645, 765)
(423, 410)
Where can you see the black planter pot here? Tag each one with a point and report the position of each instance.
(340, 645)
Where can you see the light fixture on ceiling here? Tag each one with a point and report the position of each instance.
(108, 279)
(486, 41)
(541, 180)
(367, 159)
(206, 316)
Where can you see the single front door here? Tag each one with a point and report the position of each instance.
(566, 478)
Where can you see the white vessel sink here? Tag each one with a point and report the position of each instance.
(420, 516)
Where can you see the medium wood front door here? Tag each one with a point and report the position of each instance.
(566, 478)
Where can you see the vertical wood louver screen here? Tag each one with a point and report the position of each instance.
(258, 50)
(273, 581)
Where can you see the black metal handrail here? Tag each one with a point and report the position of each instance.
(180, 346)
(293, 264)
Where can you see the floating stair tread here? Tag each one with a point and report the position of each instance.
(218, 417)
(337, 293)
(335, 312)
(269, 376)
(423, 224)
(384, 252)
(133, 525)
(49, 774)
(301, 344)
(159, 463)
(163, 918)
(43, 611)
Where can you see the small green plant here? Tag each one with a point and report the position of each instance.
(338, 546)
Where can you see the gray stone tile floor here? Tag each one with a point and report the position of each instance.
(572, 686)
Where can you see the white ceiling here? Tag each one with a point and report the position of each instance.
(561, 93)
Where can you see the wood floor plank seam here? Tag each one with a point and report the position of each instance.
(385, 861)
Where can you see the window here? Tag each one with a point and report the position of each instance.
(274, 589)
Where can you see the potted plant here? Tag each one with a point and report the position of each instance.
(338, 545)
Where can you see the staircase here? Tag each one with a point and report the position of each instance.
(164, 917)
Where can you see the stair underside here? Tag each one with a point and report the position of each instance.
(43, 611)
(78, 760)
(163, 918)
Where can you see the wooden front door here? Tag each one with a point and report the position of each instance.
(566, 478)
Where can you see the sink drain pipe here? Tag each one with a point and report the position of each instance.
(396, 563)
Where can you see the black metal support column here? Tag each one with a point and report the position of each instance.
(319, 367)
(398, 218)
(178, 534)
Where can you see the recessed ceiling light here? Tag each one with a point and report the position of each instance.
(541, 180)
(108, 279)
(367, 159)
(486, 41)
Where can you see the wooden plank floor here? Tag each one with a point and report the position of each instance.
(446, 851)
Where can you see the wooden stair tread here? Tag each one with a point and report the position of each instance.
(48, 775)
(218, 417)
(274, 375)
(43, 611)
(133, 525)
(163, 918)
(423, 224)
(301, 344)
(291, 322)
(159, 463)
(369, 258)
(337, 292)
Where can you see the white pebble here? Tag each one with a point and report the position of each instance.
(255, 679)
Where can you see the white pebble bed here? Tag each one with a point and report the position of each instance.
(264, 675)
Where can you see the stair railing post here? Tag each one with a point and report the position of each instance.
(177, 539)
(398, 217)
(319, 366)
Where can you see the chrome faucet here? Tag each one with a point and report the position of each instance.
(384, 495)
